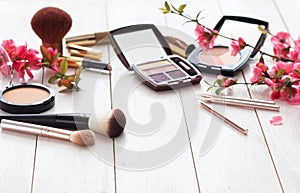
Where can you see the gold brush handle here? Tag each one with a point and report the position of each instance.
(33, 129)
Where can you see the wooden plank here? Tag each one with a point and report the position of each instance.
(65, 167)
(153, 154)
(268, 12)
(17, 150)
(226, 161)
(283, 140)
(17, 161)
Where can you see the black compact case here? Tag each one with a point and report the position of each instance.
(143, 49)
(218, 60)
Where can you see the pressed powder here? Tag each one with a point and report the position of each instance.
(26, 95)
(27, 98)
(218, 56)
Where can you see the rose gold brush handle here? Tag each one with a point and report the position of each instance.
(267, 105)
(34, 129)
(229, 122)
(237, 98)
(244, 104)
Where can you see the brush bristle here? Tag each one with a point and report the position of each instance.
(116, 124)
(51, 24)
(110, 123)
(83, 137)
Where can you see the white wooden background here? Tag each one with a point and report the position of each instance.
(266, 161)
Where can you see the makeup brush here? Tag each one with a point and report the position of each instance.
(87, 63)
(51, 24)
(83, 137)
(110, 123)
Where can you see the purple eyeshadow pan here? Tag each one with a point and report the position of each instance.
(176, 74)
(159, 77)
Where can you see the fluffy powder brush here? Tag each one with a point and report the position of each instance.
(51, 24)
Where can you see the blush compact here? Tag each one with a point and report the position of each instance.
(143, 49)
(218, 60)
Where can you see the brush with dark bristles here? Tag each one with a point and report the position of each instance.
(51, 24)
(83, 137)
(110, 123)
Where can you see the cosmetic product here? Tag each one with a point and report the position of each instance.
(27, 98)
(84, 49)
(83, 137)
(51, 24)
(218, 60)
(110, 123)
(89, 39)
(241, 102)
(87, 63)
(223, 118)
(177, 45)
(143, 49)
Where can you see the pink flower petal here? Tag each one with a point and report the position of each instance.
(276, 120)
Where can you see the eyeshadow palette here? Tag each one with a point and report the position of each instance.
(151, 58)
(218, 60)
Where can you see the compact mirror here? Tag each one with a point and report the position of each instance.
(218, 60)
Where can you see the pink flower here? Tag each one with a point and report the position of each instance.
(282, 44)
(287, 66)
(205, 37)
(257, 74)
(269, 82)
(237, 46)
(262, 66)
(229, 81)
(297, 45)
(54, 62)
(276, 120)
(23, 59)
(9, 46)
(275, 95)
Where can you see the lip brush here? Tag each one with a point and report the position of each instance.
(229, 122)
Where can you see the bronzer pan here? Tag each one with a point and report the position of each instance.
(24, 98)
(218, 60)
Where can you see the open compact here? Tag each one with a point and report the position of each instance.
(218, 60)
(143, 49)
(26, 97)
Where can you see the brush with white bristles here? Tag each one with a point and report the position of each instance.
(83, 137)
(110, 123)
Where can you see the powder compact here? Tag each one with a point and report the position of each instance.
(143, 49)
(218, 60)
(27, 98)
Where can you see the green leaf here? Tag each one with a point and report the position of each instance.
(279, 73)
(197, 16)
(77, 79)
(181, 8)
(218, 91)
(66, 90)
(55, 57)
(167, 6)
(64, 66)
(52, 79)
(297, 71)
(165, 11)
(262, 30)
